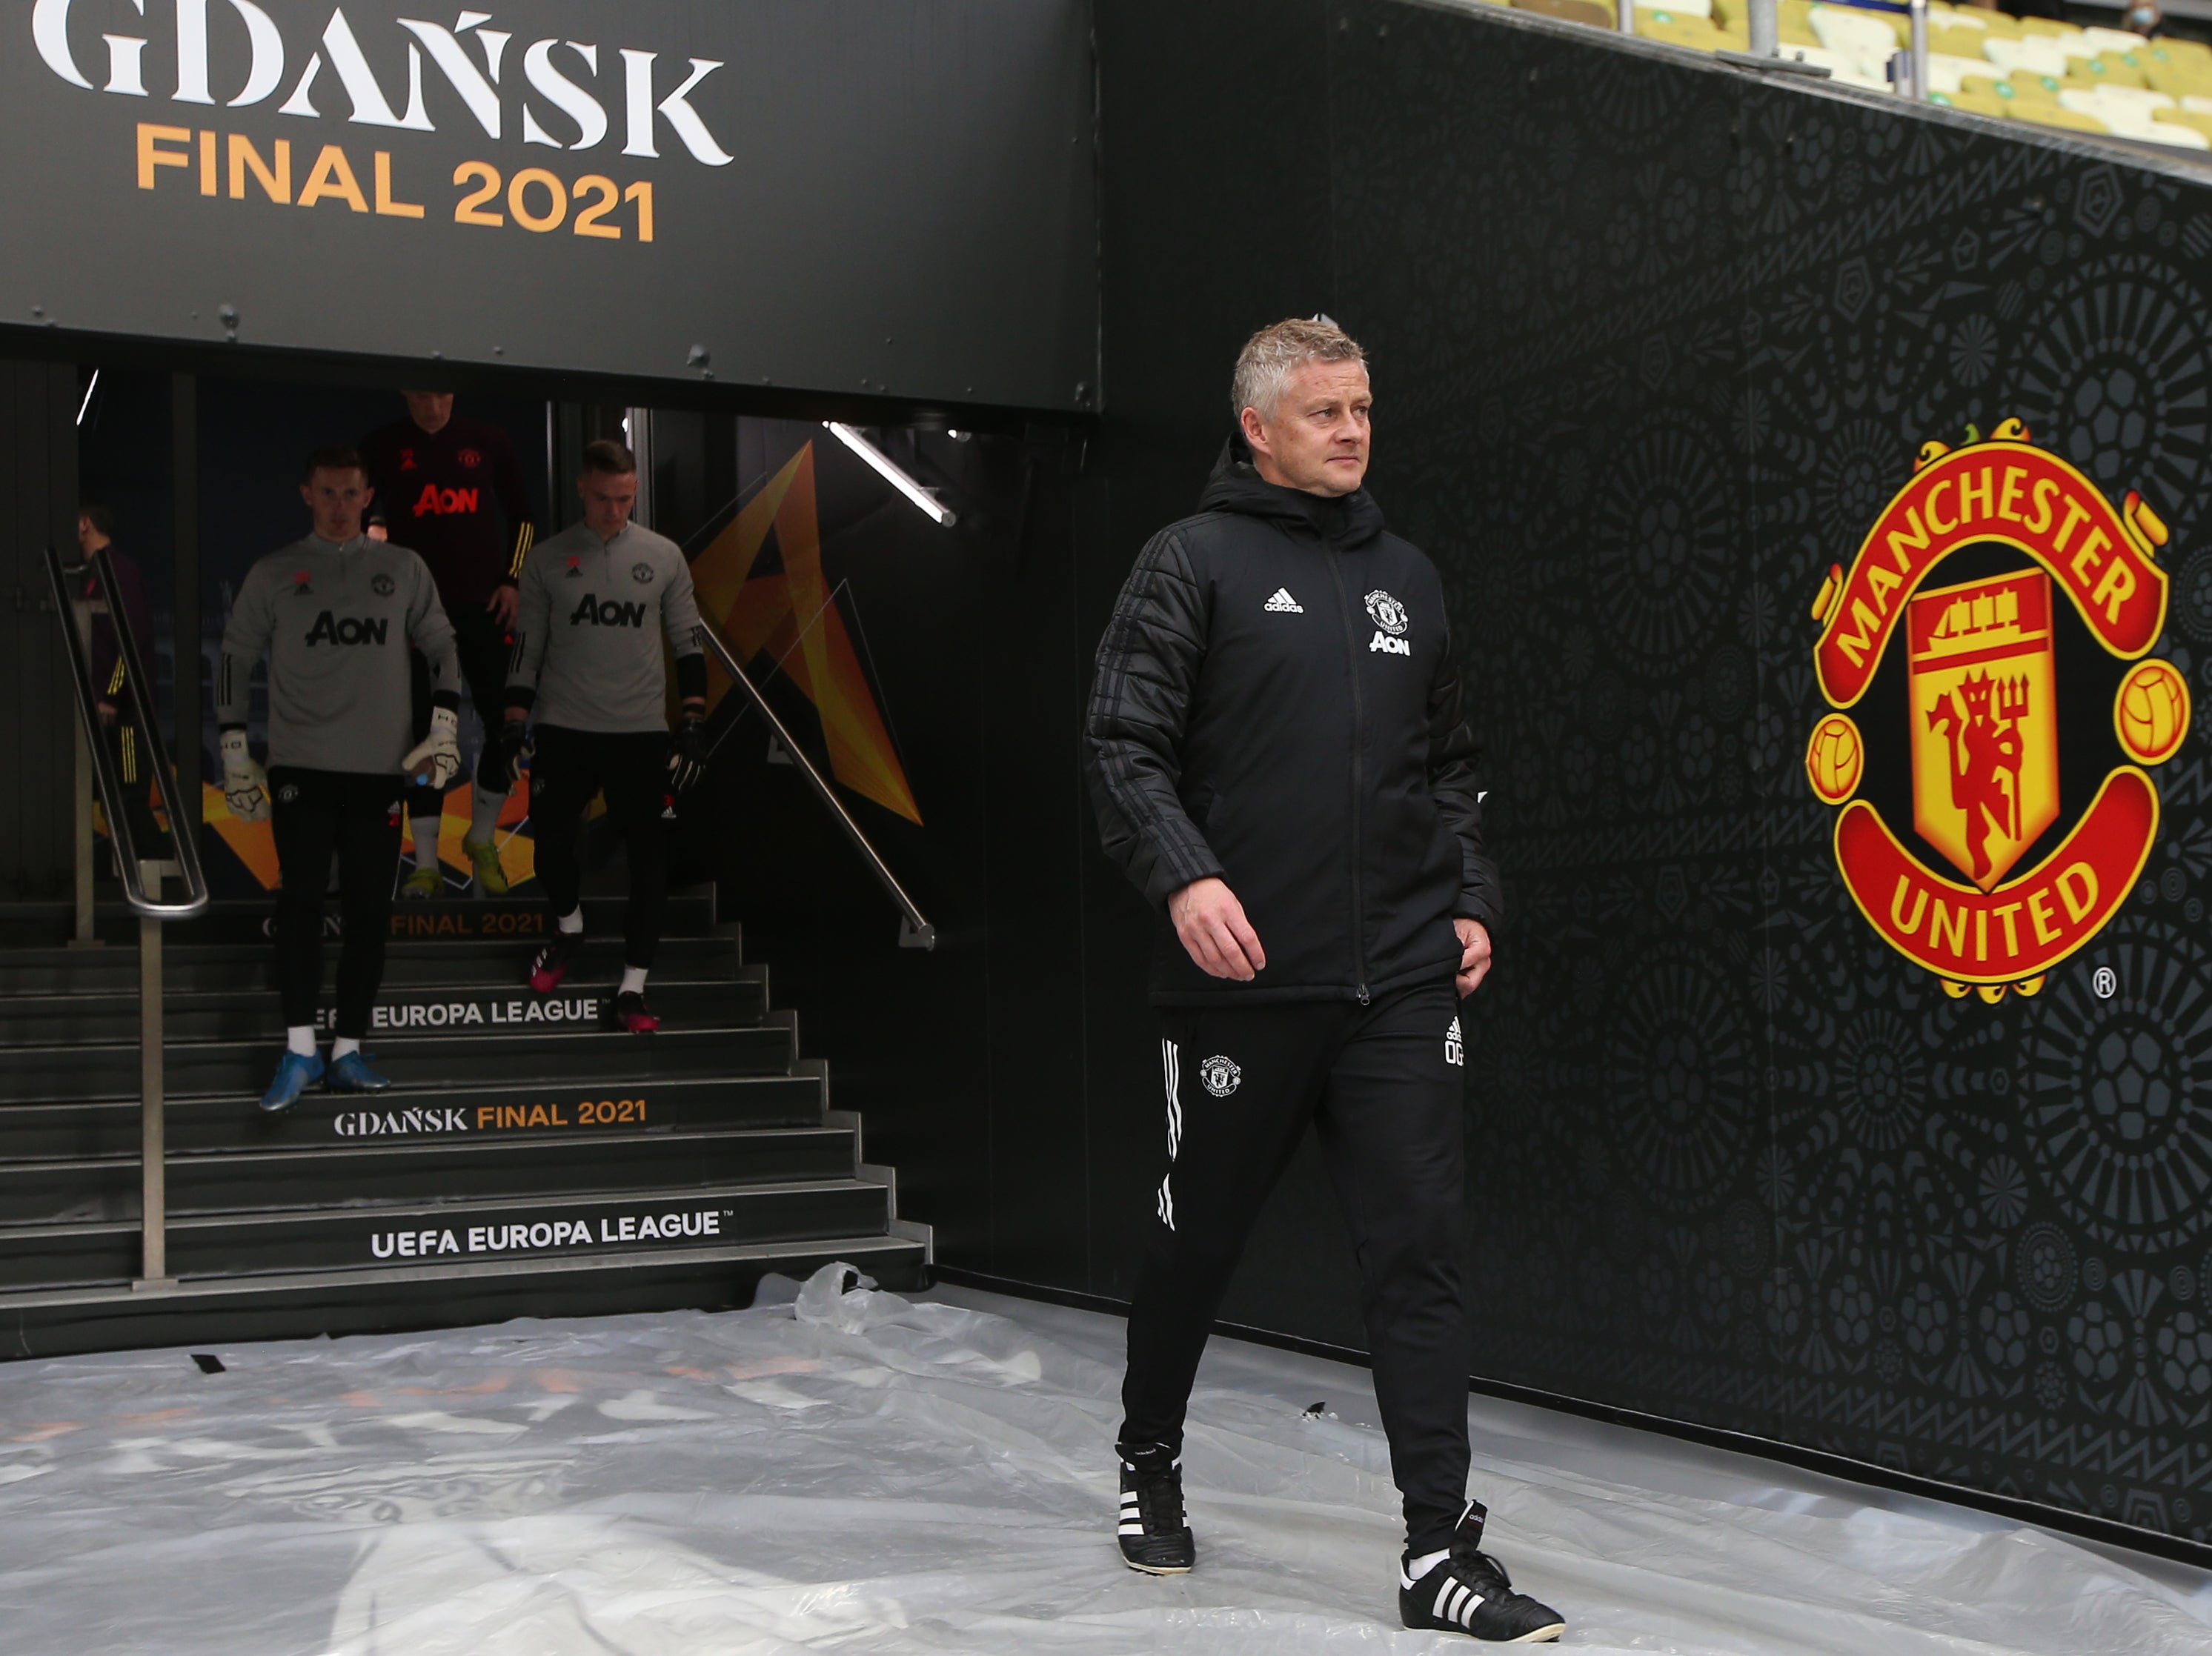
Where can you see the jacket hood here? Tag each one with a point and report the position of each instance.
(1346, 522)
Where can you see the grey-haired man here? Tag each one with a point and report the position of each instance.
(1280, 763)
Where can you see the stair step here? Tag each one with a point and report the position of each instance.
(255, 1015)
(390, 1298)
(244, 919)
(527, 1161)
(416, 1115)
(508, 1227)
(269, 1180)
(592, 1058)
(251, 966)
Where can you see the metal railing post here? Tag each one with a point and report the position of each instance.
(1765, 29)
(81, 935)
(153, 1151)
(1919, 19)
(1626, 16)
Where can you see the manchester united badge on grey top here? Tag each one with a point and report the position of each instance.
(335, 620)
(589, 628)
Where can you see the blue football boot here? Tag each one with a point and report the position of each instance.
(351, 1074)
(295, 1073)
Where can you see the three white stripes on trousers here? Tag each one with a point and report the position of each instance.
(1171, 1071)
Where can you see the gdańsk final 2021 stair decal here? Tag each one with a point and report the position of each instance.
(1986, 705)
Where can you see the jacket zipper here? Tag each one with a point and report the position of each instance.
(1358, 771)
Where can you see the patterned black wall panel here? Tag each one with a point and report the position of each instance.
(1655, 342)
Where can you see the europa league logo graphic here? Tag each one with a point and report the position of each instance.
(1984, 708)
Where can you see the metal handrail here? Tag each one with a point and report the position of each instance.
(131, 859)
(915, 932)
(143, 877)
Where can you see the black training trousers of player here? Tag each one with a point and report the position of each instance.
(632, 767)
(1383, 1085)
(313, 813)
(484, 647)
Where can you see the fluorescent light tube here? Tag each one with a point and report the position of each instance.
(893, 474)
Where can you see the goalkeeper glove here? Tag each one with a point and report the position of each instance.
(687, 755)
(244, 784)
(436, 760)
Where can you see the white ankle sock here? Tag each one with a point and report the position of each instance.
(299, 1038)
(343, 1046)
(1418, 1567)
(573, 921)
(425, 841)
(484, 808)
(633, 981)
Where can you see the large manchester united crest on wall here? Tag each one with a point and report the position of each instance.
(1987, 657)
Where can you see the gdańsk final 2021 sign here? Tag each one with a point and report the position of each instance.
(1982, 580)
(867, 196)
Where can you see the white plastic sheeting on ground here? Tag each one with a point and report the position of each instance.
(861, 1473)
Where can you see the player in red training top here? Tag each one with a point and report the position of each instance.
(451, 490)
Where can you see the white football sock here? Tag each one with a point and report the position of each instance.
(299, 1038)
(1418, 1567)
(573, 921)
(484, 813)
(341, 1046)
(633, 981)
(425, 841)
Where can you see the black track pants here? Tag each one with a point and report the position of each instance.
(313, 813)
(632, 767)
(1383, 1085)
(484, 647)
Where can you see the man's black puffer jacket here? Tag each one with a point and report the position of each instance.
(1277, 703)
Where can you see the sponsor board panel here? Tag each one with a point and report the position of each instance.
(180, 162)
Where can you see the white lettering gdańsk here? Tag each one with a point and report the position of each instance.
(475, 81)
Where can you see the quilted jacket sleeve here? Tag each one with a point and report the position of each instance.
(1453, 755)
(1147, 671)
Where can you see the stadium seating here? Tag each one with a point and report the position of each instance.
(2025, 68)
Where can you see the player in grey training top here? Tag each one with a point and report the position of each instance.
(336, 621)
(596, 601)
(335, 613)
(588, 627)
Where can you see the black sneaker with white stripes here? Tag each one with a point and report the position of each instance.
(1468, 1592)
(1155, 1536)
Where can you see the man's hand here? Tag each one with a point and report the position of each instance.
(508, 747)
(244, 784)
(1211, 923)
(436, 760)
(687, 750)
(502, 604)
(1473, 955)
